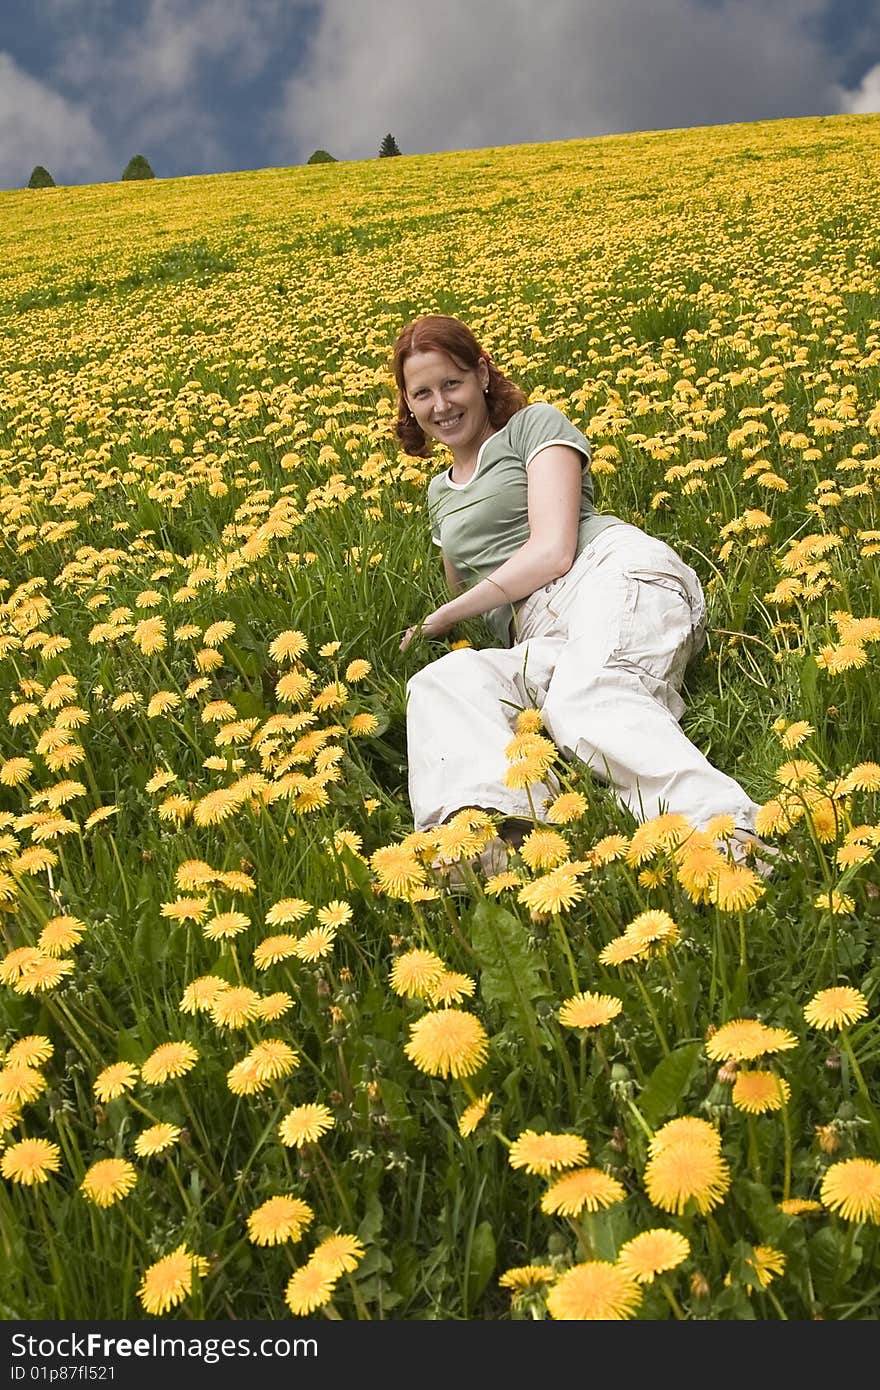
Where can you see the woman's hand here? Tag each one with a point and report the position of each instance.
(437, 624)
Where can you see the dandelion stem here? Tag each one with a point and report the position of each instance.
(661, 1036)
(677, 1311)
(860, 1082)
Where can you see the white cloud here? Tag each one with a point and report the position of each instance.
(458, 74)
(39, 126)
(865, 97)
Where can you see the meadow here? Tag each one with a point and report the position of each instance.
(257, 1062)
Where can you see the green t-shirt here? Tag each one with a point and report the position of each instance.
(481, 523)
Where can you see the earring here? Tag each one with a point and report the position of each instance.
(410, 414)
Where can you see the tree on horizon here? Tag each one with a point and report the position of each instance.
(40, 178)
(138, 167)
(321, 157)
(388, 147)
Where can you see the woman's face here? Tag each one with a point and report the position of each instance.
(447, 400)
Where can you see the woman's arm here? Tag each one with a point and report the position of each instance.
(454, 581)
(554, 499)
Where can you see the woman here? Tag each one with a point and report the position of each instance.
(598, 619)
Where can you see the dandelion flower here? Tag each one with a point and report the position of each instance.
(43, 975)
(362, 725)
(17, 961)
(735, 887)
(60, 934)
(168, 1061)
(836, 1007)
(273, 1006)
(30, 1161)
(305, 1124)
(309, 1288)
(567, 807)
(279, 1220)
(595, 1291)
(156, 1139)
(544, 849)
(21, 1084)
(287, 910)
(686, 1165)
(416, 973)
(852, 1188)
(767, 1262)
(756, 1092)
(335, 914)
(226, 925)
(200, 994)
(108, 1181)
(169, 1281)
(551, 892)
(31, 1051)
(471, 1116)
(448, 1042)
(865, 777)
(185, 909)
(499, 883)
(621, 950)
(397, 870)
(525, 1279)
(652, 928)
(589, 1010)
(743, 1039)
(272, 1059)
(545, 1153)
(799, 1206)
(338, 1254)
(653, 1252)
(315, 944)
(115, 1080)
(451, 988)
(584, 1189)
(288, 645)
(834, 901)
(234, 1007)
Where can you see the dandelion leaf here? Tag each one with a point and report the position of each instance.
(831, 1264)
(668, 1082)
(480, 1262)
(508, 970)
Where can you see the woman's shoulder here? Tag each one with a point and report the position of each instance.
(540, 420)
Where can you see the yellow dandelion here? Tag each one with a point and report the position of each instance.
(796, 733)
(21, 1084)
(156, 1139)
(234, 1007)
(272, 1059)
(654, 927)
(653, 1252)
(836, 1007)
(589, 1010)
(43, 975)
(185, 909)
(471, 1116)
(225, 925)
(357, 670)
(546, 1153)
(169, 1281)
(336, 913)
(16, 962)
(865, 777)
(363, 725)
(852, 1189)
(544, 849)
(168, 1061)
(799, 1206)
(608, 849)
(451, 988)
(834, 901)
(288, 645)
(499, 883)
(567, 807)
(305, 1124)
(338, 1254)
(279, 1220)
(552, 892)
(31, 1051)
(108, 1181)
(663, 832)
(621, 950)
(448, 1042)
(595, 1291)
(686, 1166)
(200, 994)
(756, 1092)
(273, 949)
(397, 870)
(767, 1263)
(315, 944)
(30, 1161)
(273, 1006)
(743, 1039)
(115, 1080)
(60, 934)
(526, 1279)
(584, 1189)
(309, 1288)
(416, 973)
(735, 887)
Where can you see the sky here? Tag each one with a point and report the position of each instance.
(205, 86)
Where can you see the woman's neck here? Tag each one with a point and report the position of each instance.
(465, 461)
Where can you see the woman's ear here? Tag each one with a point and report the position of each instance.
(483, 372)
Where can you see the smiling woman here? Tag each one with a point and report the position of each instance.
(598, 620)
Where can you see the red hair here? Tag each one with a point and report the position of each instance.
(441, 333)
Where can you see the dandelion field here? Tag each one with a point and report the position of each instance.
(257, 1061)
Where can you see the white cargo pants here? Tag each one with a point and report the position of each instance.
(602, 653)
